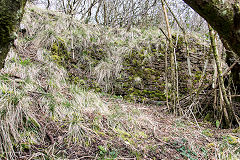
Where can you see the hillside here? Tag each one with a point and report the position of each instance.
(111, 59)
(59, 105)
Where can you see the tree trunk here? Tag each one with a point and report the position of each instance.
(173, 68)
(11, 12)
(227, 109)
(235, 73)
(98, 9)
(48, 4)
(223, 16)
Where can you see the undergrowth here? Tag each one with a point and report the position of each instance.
(111, 60)
(44, 116)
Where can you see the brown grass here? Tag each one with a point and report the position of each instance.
(43, 116)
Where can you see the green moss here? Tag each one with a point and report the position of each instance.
(232, 139)
(123, 133)
(208, 117)
(181, 41)
(207, 132)
(237, 130)
(141, 74)
(60, 53)
(140, 135)
(166, 139)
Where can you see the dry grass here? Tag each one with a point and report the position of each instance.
(42, 116)
(46, 27)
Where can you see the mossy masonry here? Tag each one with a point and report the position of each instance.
(141, 78)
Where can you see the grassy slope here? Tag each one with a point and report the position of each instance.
(43, 115)
(113, 60)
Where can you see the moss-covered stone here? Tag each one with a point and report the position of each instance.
(141, 77)
(60, 53)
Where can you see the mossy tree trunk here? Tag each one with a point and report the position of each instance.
(227, 109)
(11, 12)
(223, 16)
(235, 72)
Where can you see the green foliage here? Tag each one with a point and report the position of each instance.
(217, 123)
(102, 151)
(208, 117)
(237, 130)
(166, 139)
(205, 152)
(231, 139)
(184, 150)
(25, 62)
(52, 107)
(28, 38)
(207, 132)
(67, 104)
(4, 77)
(14, 100)
(113, 154)
(108, 154)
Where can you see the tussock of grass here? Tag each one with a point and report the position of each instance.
(43, 116)
(39, 95)
(36, 97)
